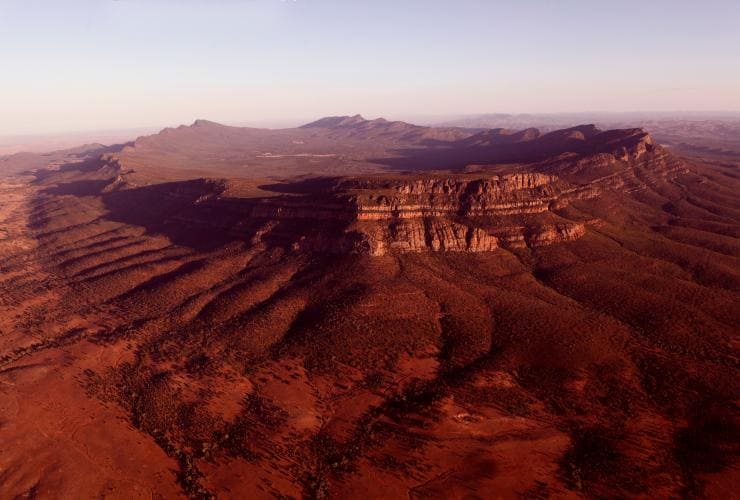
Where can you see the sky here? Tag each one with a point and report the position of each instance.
(73, 65)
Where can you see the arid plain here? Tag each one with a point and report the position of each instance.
(372, 309)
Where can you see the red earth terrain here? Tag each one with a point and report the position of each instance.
(370, 309)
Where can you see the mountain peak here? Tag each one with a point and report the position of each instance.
(205, 123)
(336, 122)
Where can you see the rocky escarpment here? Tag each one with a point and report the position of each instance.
(376, 216)
(436, 234)
(493, 195)
(454, 214)
(509, 197)
(399, 214)
(374, 199)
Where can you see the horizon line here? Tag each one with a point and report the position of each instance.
(304, 120)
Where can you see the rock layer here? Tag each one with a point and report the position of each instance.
(378, 216)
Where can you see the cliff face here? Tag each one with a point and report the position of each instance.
(508, 194)
(378, 216)
(381, 199)
(423, 235)
(475, 210)
(444, 235)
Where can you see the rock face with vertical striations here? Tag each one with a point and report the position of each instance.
(453, 214)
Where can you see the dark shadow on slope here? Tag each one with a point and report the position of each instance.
(306, 186)
(193, 214)
(79, 188)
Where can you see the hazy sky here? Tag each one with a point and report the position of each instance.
(91, 64)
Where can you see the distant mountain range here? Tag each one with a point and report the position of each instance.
(694, 133)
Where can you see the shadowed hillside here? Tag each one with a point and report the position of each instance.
(361, 306)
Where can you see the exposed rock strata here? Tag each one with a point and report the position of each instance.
(480, 210)
(444, 235)
(378, 216)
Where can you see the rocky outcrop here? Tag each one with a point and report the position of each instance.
(553, 233)
(626, 145)
(436, 235)
(505, 189)
(378, 216)
(377, 199)
(478, 210)
(445, 236)
(425, 234)
(465, 212)
(502, 195)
